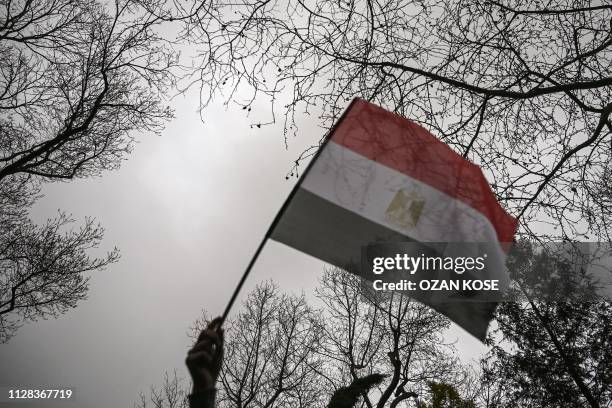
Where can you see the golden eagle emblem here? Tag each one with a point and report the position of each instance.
(405, 209)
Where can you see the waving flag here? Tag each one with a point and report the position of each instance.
(382, 178)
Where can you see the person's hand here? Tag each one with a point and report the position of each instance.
(206, 356)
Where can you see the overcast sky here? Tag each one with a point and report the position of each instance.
(187, 211)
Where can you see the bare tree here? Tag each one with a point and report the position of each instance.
(484, 388)
(280, 352)
(43, 270)
(270, 355)
(77, 79)
(521, 88)
(171, 394)
(548, 348)
(391, 334)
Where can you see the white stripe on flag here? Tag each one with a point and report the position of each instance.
(399, 202)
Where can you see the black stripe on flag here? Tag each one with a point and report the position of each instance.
(335, 235)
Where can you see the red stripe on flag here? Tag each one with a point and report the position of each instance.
(407, 147)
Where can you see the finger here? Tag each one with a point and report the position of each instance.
(207, 345)
(215, 323)
(203, 345)
(206, 334)
(210, 337)
(216, 337)
(199, 359)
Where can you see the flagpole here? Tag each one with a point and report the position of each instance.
(243, 278)
(280, 213)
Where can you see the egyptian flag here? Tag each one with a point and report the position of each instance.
(379, 177)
